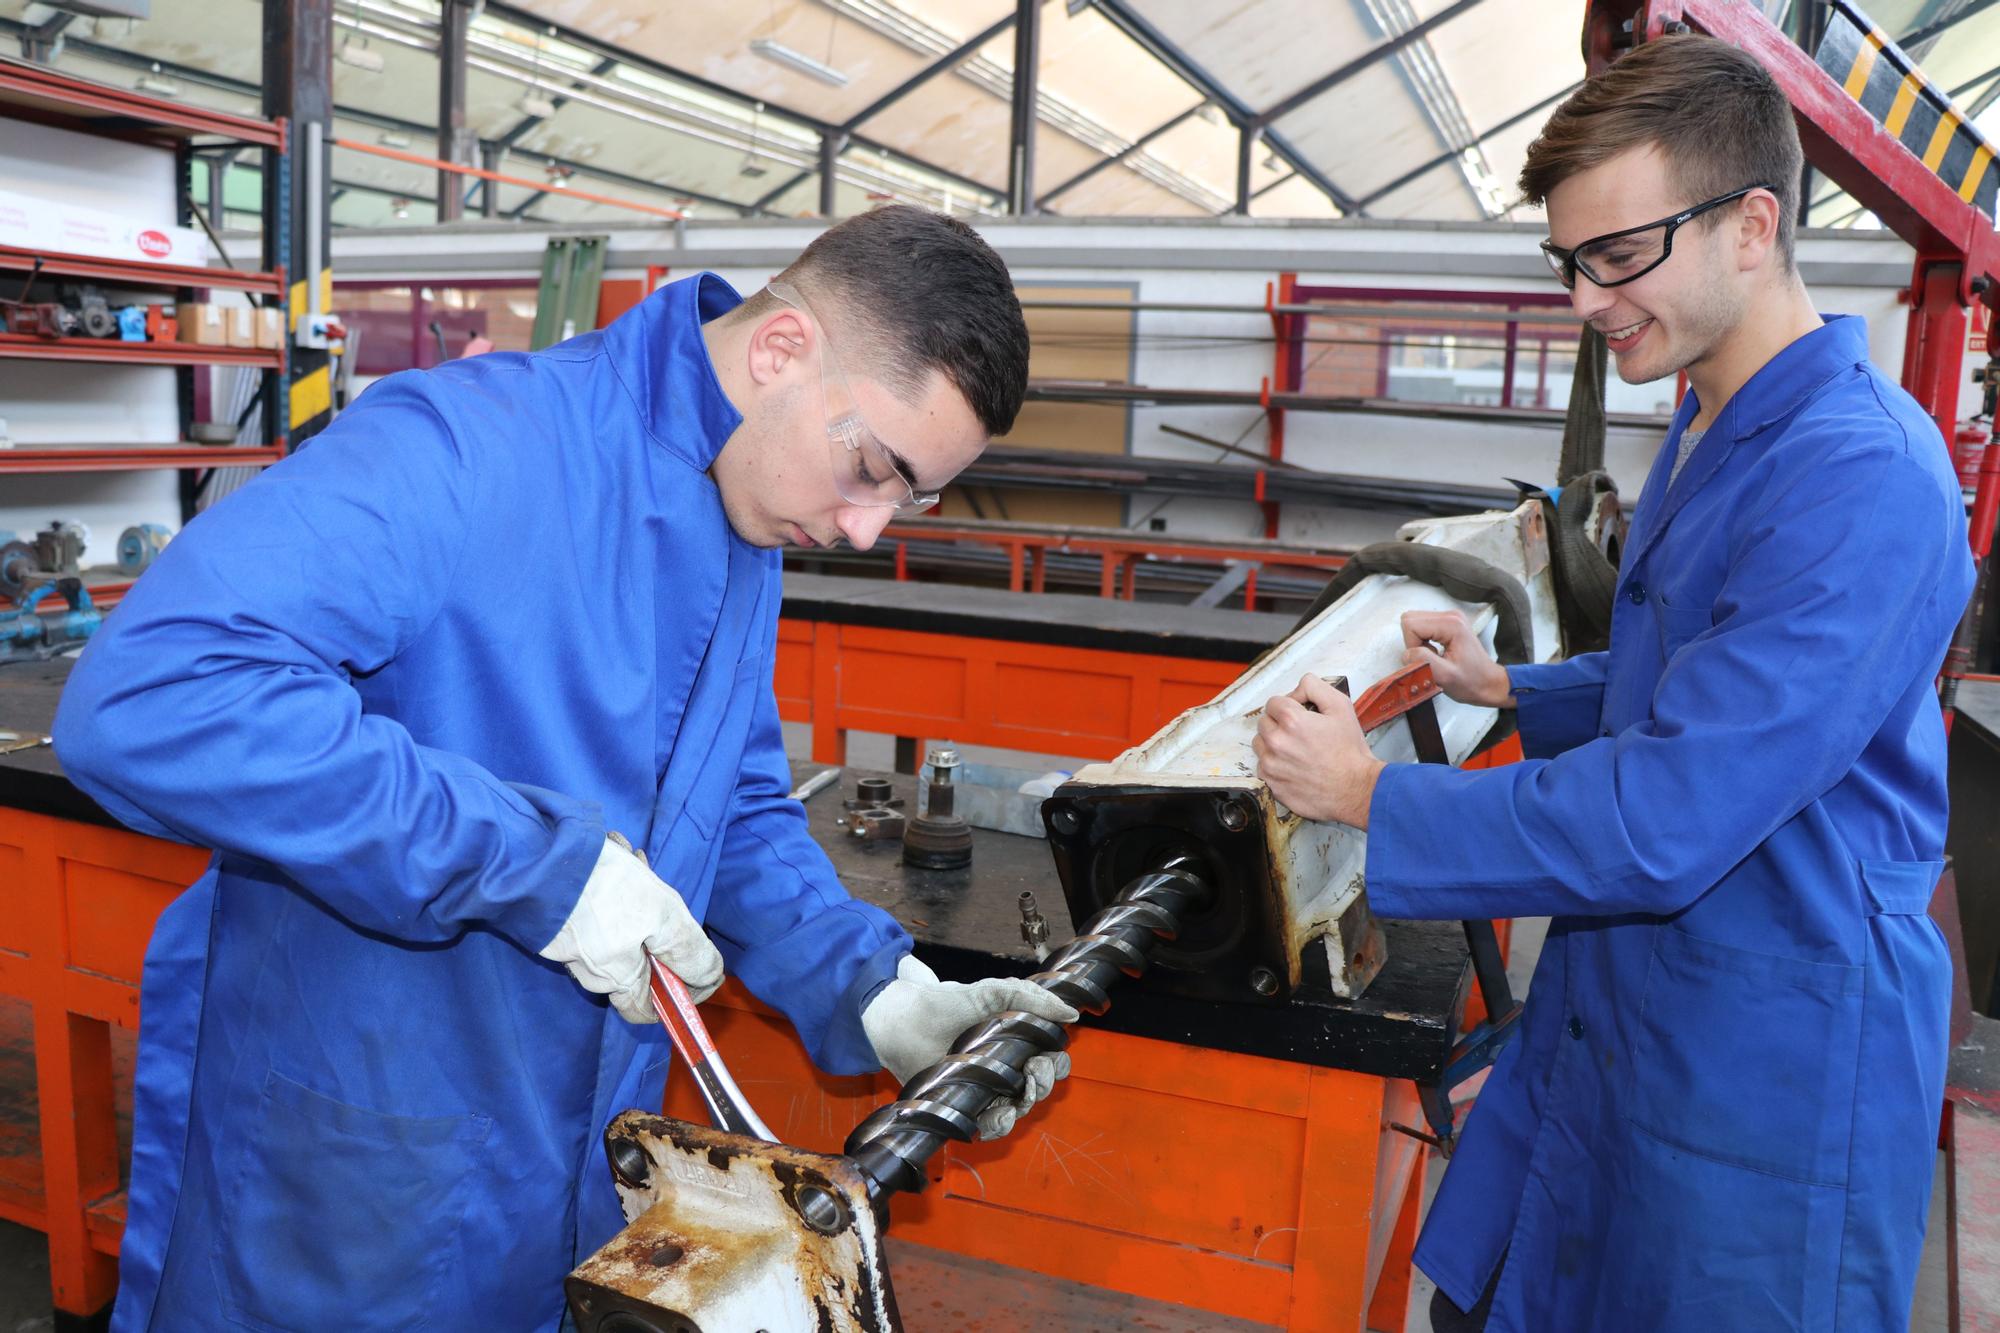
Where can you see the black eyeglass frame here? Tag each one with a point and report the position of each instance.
(1567, 265)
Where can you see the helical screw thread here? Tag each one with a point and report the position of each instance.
(988, 1062)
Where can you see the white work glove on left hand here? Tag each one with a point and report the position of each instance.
(914, 1020)
(624, 913)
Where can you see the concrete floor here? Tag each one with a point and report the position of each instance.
(943, 1293)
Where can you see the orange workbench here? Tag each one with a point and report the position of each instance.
(1225, 1180)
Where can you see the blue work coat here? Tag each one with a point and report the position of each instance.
(404, 682)
(1721, 1109)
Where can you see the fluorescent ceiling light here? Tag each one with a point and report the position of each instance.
(157, 83)
(780, 54)
(391, 139)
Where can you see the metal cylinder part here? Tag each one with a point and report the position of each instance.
(988, 1062)
(138, 545)
(937, 838)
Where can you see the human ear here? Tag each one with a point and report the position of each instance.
(1756, 228)
(776, 343)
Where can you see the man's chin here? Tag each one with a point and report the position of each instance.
(1642, 372)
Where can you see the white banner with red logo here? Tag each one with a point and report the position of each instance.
(51, 227)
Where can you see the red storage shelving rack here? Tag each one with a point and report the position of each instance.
(35, 93)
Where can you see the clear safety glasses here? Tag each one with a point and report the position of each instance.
(1619, 257)
(866, 470)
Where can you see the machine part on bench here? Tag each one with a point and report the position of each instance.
(988, 1062)
(877, 825)
(1285, 887)
(873, 815)
(1034, 926)
(937, 838)
(730, 1234)
(873, 794)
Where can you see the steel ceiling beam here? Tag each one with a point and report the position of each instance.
(1025, 118)
(1375, 195)
(1156, 44)
(596, 47)
(1121, 154)
(454, 24)
(41, 42)
(1373, 56)
(1943, 25)
(521, 128)
(373, 119)
(949, 60)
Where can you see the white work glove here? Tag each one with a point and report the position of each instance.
(913, 1021)
(624, 913)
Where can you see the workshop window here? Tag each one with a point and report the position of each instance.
(1454, 349)
(395, 321)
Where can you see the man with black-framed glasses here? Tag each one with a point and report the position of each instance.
(1720, 1110)
(412, 682)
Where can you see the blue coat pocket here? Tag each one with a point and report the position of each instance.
(1900, 888)
(1678, 624)
(342, 1217)
(1747, 1058)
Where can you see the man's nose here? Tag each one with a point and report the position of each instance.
(862, 524)
(1588, 299)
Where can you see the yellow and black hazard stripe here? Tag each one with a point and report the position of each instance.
(1875, 72)
(310, 390)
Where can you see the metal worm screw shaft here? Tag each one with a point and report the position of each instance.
(988, 1062)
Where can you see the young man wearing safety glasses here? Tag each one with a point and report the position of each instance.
(1720, 1110)
(409, 682)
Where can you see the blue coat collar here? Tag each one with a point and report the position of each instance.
(1768, 398)
(657, 350)
(1789, 378)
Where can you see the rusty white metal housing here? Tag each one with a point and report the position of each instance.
(1307, 888)
(731, 1234)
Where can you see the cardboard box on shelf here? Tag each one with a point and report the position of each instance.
(242, 322)
(270, 327)
(202, 323)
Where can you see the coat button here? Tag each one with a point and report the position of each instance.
(1576, 1028)
(1637, 594)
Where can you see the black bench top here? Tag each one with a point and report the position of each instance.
(967, 924)
(1062, 619)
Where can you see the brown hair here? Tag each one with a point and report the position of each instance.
(1718, 116)
(917, 291)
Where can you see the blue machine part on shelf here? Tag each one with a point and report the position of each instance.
(132, 323)
(17, 562)
(27, 635)
(138, 545)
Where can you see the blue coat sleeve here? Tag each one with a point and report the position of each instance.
(1558, 703)
(783, 921)
(1833, 604)
(215, 706)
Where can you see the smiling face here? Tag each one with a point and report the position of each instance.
(1683, 312)
(776, 473)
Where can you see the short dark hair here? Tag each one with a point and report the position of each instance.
(912, 291)
(1718, 116)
